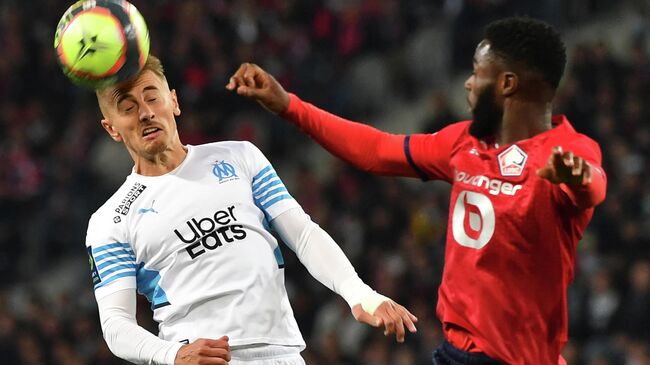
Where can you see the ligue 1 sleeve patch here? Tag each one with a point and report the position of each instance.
(512, 161)
(93, 267)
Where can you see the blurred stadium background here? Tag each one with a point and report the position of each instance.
(399, 65)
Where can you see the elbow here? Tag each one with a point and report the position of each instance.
(111, 343)
(113, 331)
(599, 197)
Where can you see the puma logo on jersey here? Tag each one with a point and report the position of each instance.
(210, 232)
(148, 210)
(494, 186)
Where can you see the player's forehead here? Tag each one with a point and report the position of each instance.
(146, 81)
(483, 55)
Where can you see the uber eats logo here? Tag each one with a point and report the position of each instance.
(210, 232)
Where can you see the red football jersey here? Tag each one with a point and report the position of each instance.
(511, 239)
(512, 235)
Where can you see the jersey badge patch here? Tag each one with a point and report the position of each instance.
(224, 171)
(93, 267)
(512, 161)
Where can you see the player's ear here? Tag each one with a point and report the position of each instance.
(111, 130)
(176, 106)
(509, 82)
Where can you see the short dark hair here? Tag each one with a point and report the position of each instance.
(530, 42)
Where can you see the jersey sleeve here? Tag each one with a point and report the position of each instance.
(111, 258)
(430, 154)
(269, 192)
(367, 148)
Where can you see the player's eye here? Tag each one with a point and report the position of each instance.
(128, 108)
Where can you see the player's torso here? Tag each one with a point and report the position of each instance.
(509, 252)
(193, 219)
(497, 196)
(200, 234)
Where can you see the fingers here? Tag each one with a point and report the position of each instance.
(568, 160)
(398, 325)
(204, 351)
(558, 158)
(218, 343)
(577, 166)
(587, 172)
(249, 75)
(395, 317)
(215, 352)
(565, 167)
(410, 320)
(236, 79)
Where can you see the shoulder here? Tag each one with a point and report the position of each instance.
(455, 131)
(235, 146)
(458, 127)
(111, 204)
(446, 138)
(236, 150)
(566, 136)
(109, 218)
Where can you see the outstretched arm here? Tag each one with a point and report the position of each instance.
(365, 147)
(131, 342)
(327, 263)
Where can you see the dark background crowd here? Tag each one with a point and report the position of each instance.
(397, 64)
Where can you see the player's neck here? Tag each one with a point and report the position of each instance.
(160, 163)
(524, 120)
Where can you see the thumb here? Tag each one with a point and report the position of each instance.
(364, 317)
(370, 319)
(545, 172)
(248, 92)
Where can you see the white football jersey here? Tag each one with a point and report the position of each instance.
(196, 243)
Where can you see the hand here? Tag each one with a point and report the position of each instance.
(389, 314)
(254, 83)
(204, 351)
(565, 167)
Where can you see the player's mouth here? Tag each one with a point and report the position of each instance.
(150, 133)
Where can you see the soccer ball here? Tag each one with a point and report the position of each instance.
(101, 42)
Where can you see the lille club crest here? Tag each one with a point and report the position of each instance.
(512, 161)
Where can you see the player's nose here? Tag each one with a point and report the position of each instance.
(468, 83)
(146, 113)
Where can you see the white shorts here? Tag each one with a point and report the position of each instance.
(266, 355)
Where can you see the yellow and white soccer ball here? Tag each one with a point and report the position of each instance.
(101, 42)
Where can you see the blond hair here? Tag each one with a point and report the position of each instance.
(153, 64)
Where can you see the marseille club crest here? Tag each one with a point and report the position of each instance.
(224, 171)
(512, 161)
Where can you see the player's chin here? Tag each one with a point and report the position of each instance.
(154, 146)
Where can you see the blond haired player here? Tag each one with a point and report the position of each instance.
(190, 229)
